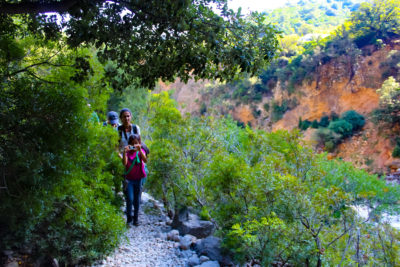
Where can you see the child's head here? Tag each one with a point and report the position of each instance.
(134, 139)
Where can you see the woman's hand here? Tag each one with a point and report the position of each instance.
(126, 149)
(138, 147)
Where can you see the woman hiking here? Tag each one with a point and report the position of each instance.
(126, 129)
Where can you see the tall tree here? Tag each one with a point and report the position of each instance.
(154, 39)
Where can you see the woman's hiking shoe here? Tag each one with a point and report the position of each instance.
(136, 223)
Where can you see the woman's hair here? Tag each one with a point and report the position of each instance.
(134, 137)
(124, 110)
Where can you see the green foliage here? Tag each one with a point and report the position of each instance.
(272, 198)
(310, 16)
(324, 122)
(303, 125)
(334, 116)
(328, 138)
(289, 45)
(356, 120)
(376, 20)
(203, 108)
(341, 127)
(300, 58)
(389, 104)
(330, 134)
(314, 124)
(266, 107)
(56, 165)
(396, 152)
(158, 39)
(390, 67)
(247, 89)
(389, 93)
(277, 110)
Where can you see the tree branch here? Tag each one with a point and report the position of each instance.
(37, 77)
(338, 237)
(37, 64)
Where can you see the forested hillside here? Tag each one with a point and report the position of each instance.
(315, 79)
(308, 16)
(271, 197)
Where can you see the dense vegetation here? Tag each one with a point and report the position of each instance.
(59, 169)
(153, 39)
(308, 16)
(271, 198)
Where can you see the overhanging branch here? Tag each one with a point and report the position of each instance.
(36, 7)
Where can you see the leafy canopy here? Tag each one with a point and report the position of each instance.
(154, 39)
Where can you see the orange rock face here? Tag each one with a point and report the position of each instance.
(244, 114)
(337, 92)
(369, 149)
(187, 95)
(339, 87)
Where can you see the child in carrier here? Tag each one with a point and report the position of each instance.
(134, 157)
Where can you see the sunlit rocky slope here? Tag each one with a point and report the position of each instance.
(339, 87)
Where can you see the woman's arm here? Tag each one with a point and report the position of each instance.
(124, 157)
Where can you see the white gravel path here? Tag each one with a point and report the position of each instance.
(147, 244)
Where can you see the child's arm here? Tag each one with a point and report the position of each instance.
(142, 155)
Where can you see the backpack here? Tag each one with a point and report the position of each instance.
(121, 130)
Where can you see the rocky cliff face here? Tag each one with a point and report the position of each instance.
(339, 86)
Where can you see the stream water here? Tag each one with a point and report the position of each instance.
(363, 212)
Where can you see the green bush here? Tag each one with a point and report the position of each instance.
(314, 124)
(329, 146)
(278, 111)
(396, 152)
(324, 122)
(337, 129)
(341, 127)
(356, 120)
(256, 112)
(266, 107)
(327, 137)
(303, 125)
(334, 116)
(203, 108)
